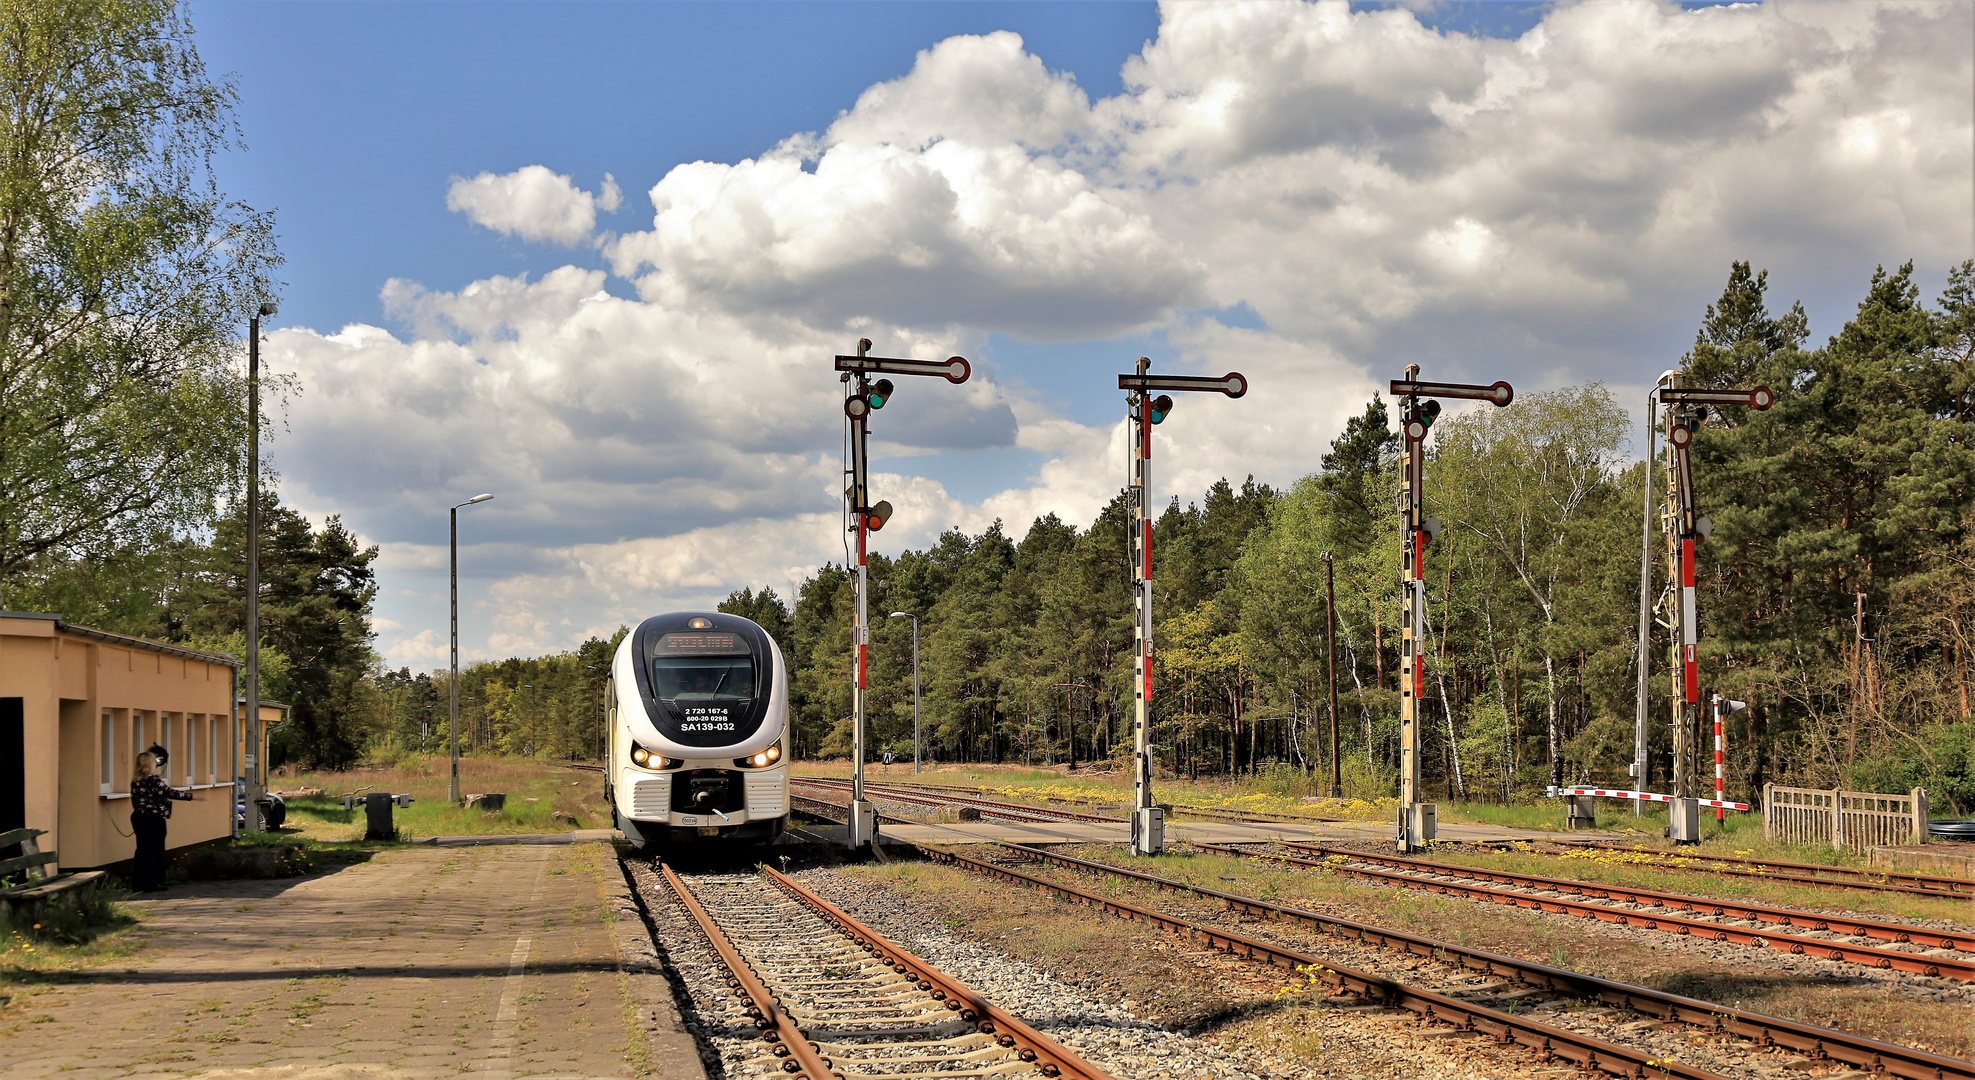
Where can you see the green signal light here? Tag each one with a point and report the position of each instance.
(880, 393)
(1161, 407)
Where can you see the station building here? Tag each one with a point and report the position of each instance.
(76, 708)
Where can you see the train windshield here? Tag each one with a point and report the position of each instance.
(702, 668)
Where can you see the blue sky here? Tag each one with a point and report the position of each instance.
(356, 114)
(1312, 193)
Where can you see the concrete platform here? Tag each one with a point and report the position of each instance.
(481, 962)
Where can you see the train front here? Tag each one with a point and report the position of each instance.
(699, 713)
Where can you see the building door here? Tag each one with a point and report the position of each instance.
(13, 770)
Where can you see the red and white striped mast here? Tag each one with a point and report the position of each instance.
(1685, 412)
(1148, 830)
(1418, 406)
(862, 396)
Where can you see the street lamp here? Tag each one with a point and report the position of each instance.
(915, 684)
(250, 744)
(453, 686)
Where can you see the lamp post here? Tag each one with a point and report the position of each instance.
(452, 687)
(915, 684)
(251, 741)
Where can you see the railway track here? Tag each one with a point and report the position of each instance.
(1552, 1042)
(1818, 1043)
(1203, 811)
(1012, 811)
(832, 998)
(1761, 914)
(1840, 877)
(1711, 919)
(1588, 1052)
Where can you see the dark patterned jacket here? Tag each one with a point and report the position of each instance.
(151, 795)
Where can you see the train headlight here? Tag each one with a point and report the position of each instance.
(644, 758)
(761, 760)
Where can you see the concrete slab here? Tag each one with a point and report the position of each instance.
(486, 961)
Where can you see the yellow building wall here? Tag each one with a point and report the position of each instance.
(78, 773)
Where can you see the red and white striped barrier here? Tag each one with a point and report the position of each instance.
(1646, 796)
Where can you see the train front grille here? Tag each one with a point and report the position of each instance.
(768, 794)
(649, 797)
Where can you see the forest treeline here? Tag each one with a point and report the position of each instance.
(1835, 597)
(1835, 590)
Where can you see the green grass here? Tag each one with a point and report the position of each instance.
(35, 949)
(535, 791)
(1281, 790)
(1670, 870)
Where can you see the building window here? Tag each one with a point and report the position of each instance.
(108, 781)
(191, 749)
(137, 743)
(164, 739)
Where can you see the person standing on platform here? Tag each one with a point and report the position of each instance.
(150, 807)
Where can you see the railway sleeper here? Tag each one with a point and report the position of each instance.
(1541, 979)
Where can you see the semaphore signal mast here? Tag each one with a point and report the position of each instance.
(1685, 412)
(1148, 831)
(862, 397)
(1418, 406)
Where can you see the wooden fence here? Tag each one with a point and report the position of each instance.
(1843, 819)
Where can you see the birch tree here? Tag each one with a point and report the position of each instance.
(126, 279)
(1516, 479)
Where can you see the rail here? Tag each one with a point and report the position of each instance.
(1918, 964)
(1761, 913)
(1585, 1051)
(1870, 1055)
(767, 1010)
(1051, 1057)
(1841, 877)
(1190, 808)
(1029, 813)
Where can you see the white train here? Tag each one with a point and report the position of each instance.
(698, 712)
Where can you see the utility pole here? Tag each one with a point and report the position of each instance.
(863, 396)
(1330, 659)
(1685, 411)
(1419, 405)
(251, 731)
(1148, 833)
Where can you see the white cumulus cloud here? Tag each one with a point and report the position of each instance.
(532, 203)
(1548, 209)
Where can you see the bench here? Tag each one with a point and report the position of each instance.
(42, 884)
